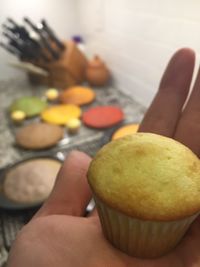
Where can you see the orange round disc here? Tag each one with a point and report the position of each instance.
(77, 95)
(125, 130)
(61, 114)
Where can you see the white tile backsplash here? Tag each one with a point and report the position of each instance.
(137, 37)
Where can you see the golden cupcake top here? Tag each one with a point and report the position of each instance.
(147, 176)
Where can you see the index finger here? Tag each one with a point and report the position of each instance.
(188, 129)
(164, 112)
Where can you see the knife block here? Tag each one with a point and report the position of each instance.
(67, 71)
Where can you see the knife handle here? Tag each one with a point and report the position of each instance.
(52, 35)
(53, 53)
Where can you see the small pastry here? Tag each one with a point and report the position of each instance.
(73, 126)
(18, 116)
(52, 94)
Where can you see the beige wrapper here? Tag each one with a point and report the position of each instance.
(145, 239)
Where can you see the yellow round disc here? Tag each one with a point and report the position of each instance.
(77, 95)
(125, 130)
(61, 114)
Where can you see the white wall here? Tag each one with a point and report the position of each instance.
(61, 15)
(137, 37)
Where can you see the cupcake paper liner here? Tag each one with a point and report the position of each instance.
(140, 238)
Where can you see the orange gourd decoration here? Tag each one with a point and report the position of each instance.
(97, 74)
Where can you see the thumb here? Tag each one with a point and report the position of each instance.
(71, 193)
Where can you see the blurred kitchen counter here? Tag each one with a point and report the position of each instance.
(13, 89)
(87, 140)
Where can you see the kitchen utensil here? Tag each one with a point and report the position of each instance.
(52, 35)
(47, 45)
(97, 73)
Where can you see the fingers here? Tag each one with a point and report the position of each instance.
(163, 114)
(91, 209)
(188, 129)
(93, 213)
(71, 192)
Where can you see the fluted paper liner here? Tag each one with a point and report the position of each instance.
(145, 239)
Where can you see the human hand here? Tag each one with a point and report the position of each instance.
(59, 236)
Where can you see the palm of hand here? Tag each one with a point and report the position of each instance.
(58, 236)
(60, 240)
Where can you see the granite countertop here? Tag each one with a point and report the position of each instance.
(12, 89)
(87, 140)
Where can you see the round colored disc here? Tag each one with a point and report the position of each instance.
(31, 106)
(125, 130)
(103, 116)
(39, 135)
(61, 114)
(77, 95)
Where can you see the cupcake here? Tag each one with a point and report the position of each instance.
(146, 188)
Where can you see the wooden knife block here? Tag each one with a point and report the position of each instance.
(67, 71)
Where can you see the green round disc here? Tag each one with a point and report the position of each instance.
(31, 106)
